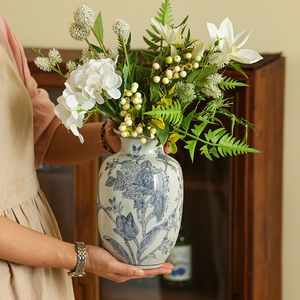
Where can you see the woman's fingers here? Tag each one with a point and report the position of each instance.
(111, 137)
(102, 263)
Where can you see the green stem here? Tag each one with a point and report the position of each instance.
(112, 109)
(166, 50)
(195, 137)
(100, 43)
(125, 53)
(59, 72)
(92, 48)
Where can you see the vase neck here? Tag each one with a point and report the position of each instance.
(133, 145)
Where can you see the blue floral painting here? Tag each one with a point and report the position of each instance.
(147, 187)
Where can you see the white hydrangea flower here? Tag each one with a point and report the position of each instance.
(120, 27)
(110, 80)
(86, 87)
(84, 15)
(79, 32)
(68, 120)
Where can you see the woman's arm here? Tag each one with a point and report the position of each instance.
(25, 246)
(66, 149)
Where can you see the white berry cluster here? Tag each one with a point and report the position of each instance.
(133, 99)
(176, 69)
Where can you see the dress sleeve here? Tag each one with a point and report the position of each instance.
(44, 119)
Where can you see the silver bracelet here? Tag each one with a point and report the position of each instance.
(81, 259)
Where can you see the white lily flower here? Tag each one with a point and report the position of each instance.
(198, 50)
(231, 45)
(171, 35)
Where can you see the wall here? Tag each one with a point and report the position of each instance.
(275, 27)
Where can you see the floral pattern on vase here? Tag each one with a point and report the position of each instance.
(140, 194)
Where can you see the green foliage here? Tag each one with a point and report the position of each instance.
(151, 45)
(229, 83)
(163, 134)
(164, 14)
(216, 143)
(98, 27)
(171, 96)
(198, 77)
(171, 114)
(237, 68)
(150, 58)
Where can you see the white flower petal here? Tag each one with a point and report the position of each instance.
(81, 139)
(226, 29)
(61, 112)
(225, 46)
(105, 68)
(247, 56)
(88, 104)
(173, 51)
(212, 29)
(75, 131)
(116, 94)
(241, 38)
(71, 101)
(98, 98)
(74, 114)
(198, 50)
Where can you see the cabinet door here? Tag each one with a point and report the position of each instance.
(233, 206)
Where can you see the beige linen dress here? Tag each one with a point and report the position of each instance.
(21, 200)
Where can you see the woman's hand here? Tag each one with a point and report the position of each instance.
(112, 139)
(102, 263)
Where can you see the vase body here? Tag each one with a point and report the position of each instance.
(140, 196)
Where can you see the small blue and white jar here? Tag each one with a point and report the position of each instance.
(140, 198)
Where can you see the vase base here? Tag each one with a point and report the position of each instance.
(153, 266)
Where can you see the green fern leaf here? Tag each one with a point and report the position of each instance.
(229, 83)
(171, 114)
(150, 58)
(191, 145)
(164, 16)
(237, 68)
(199, 128)
(214, 152)
(154, 37)
(151, 45)
(204, 150)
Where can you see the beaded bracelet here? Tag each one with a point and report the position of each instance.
(103, 140)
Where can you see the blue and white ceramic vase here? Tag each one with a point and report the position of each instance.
(140, 197)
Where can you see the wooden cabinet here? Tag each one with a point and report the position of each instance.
(233, 206)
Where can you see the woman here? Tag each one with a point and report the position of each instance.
(33, 258)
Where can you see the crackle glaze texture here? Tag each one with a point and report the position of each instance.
(140, 195)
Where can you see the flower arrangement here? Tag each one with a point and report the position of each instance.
(179, 96)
